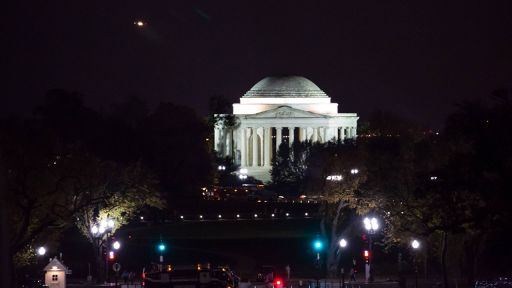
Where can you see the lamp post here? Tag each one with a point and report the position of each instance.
(41, 251)
(318, 245)
(415, 244)
(103, 230)
(343, 244)
(161, 249)
(371, 225)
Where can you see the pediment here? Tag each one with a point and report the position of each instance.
(285, 112)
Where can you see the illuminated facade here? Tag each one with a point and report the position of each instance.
(280, 110)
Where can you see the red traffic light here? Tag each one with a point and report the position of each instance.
(278, 283)
(366, 255)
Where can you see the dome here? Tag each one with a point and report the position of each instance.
(285, 87)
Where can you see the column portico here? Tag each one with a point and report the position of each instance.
(267, 144)
(302, 134)
(279, 137)
(243, 148)
(291, 135)
(254, 147)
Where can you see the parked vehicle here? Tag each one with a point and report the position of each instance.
(189, 276)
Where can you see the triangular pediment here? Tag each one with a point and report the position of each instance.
(286, 112)
(55, 265)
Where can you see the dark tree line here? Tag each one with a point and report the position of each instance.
(452, 191)
(68, 164)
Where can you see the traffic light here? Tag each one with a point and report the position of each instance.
(111, 256)
(366, 255)
(278, 283)
(318, 245)
(161, 247)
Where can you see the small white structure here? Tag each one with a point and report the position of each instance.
(55, 274)
(279, 110)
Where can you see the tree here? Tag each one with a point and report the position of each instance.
(123, 193)
(289, 167)
(331, 177)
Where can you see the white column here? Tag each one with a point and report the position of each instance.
(279, 137)
(254, 147)
(315, 134)
(302, 134)
(267, 144)
(342, 133)
(262, 147)
(333, 136)
(229, 149)
(216, 139)
(355, 133)
(243, 148)
(291, 135)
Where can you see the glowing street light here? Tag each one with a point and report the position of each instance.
(116, 245)
(415, 244)
(371, 225)
(41, 251)
(343, 243)
(139, 23)
(94, 229)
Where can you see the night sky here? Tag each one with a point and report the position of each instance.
(413, 58)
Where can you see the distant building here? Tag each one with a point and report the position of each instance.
(279, 110)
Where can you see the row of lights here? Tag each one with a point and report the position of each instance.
(41, 251)
(255, 215)
(104, 225)
(340, 177)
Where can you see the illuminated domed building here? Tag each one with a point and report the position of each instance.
(279, 110)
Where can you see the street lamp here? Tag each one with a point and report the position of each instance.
(41, 251)
(371, 225)
(415, 244)
(98, 231)
(161, 248)
(116, 245)
(318, 245)
(343, 244)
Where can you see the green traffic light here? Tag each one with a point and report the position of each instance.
(318, 245)
(161, 247)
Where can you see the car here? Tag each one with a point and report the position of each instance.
(271, 276)
(189, 276)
